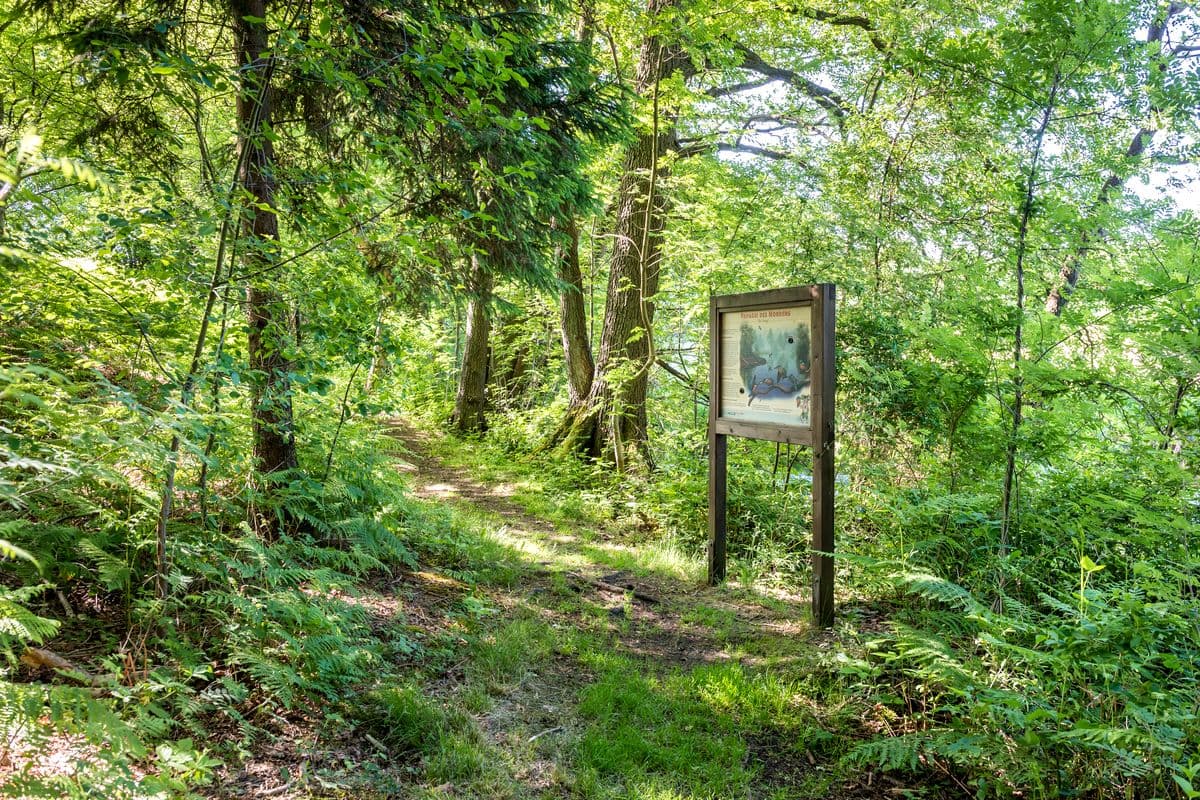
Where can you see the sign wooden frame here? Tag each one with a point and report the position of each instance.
(817, 302)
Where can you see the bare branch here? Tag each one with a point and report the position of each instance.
(821, 95)
(754, 150)
(687, 148)
(735, 88)
(684, 378)
(840, 20)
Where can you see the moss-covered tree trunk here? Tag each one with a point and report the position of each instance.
(612, 422)
(271, 338)
(470, 401)
(577, 349)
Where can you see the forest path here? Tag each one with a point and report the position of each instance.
(606, 668)
(610, 571)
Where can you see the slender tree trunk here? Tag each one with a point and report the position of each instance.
(613, 419)
(376, 348)
(1017, 410)
(1181, 389)
(572, 314)
(471, 400)
(271, 338)
(577, 350)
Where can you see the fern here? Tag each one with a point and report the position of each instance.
(113, 572)
(32, 716)
(11, 551)
(19, 623)
(891, 753)
(931, 659)
(931, 587)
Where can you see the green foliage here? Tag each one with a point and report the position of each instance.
(893, 752)
(505, 656)
(19, 625)
(1102, 694)
(1036, 643)
(403, 719)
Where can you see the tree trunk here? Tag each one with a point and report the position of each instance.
(572, 314)
(1017, 410)
(377, 354)
(612, 420)
(271, 338)
(471, 399)
(577, 350)
(509, 364)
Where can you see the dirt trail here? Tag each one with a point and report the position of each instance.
(670, 626)
(590, 670)
(654, 608)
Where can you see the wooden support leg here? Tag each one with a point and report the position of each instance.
(717, 444)
(822, 532)
(824, 375)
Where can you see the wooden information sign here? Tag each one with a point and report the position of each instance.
(772, 377)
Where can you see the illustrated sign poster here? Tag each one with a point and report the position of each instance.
(766, 361)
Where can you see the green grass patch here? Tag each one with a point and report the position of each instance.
(506, 654)
(403, 718)
(722, 621)
(677, 736)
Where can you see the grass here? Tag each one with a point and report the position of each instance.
(544, 686)
(643, 731)
(506, 655)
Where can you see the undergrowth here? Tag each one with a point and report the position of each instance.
(1034, 672)
(251, 631)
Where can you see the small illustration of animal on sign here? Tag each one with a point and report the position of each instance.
(774, 350)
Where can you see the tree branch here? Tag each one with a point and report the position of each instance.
(840, 20)
(1173, 160)
(826, 98)
(735, 88)
(687, 148)
(683, 378)
(1068, 275)
(755, 150)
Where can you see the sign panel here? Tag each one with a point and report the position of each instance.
(766, 365)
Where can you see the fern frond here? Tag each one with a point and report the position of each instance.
(932, 659)
(18, 622)
(932, 587)
(891, 753)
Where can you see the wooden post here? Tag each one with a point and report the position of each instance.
(823, 452)
(717, 450)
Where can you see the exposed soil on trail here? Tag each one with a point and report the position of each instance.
(434, 480)
(646, 612)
